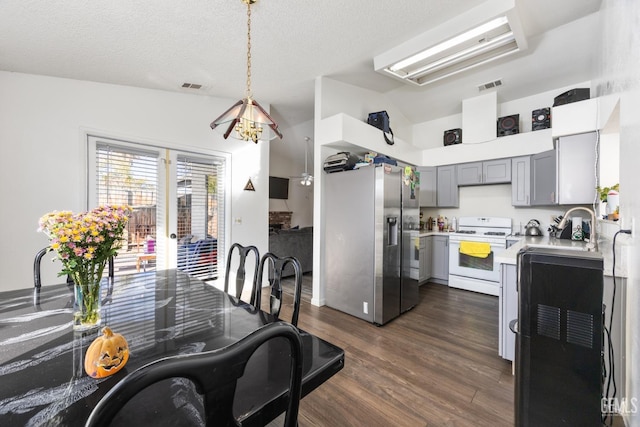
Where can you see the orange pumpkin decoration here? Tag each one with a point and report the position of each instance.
(106, 355)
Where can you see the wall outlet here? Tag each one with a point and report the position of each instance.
(365, 307)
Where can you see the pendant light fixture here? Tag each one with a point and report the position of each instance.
(307, 178)
(246, 119)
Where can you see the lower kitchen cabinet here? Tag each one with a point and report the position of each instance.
(426, 249)
(440, 267)
(508, 302)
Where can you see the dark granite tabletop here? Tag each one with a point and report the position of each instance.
(160, 313)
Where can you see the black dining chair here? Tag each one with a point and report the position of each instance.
(243, 253)
(275, 265)
(214, 373)
(37, 278)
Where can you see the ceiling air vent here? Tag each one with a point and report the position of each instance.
(191, 86)
(490, 85)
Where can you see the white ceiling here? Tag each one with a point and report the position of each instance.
(161, 44)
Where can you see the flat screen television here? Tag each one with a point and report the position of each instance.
(278, 188)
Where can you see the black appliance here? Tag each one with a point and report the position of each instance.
(541, 119)
(573, 95)
(559, 338)
(509, 125)
(339, 162)
(452, 136)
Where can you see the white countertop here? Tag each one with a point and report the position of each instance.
(510, 255)
(423, 233)
(604, 246)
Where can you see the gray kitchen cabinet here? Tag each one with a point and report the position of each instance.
(566, 175)
(508, 310)
(447, 185)
(576, 157)
(428, 186)
(521, 181)
(543, 178)
(496, 171)
(426, 244)
(487, 172)
(440, 267)
(470, 173)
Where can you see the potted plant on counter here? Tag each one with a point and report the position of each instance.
(612, 208)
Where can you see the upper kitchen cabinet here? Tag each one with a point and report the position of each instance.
(428, 187)
(447, 184)
(487, 172)
(521, 181)
(577, 169)
(543, 178)
(566, 175)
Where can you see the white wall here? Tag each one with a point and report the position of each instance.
(43, 121)
(619, 61)
(430, 134)
(337, 97)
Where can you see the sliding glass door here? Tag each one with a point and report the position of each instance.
(178, 202)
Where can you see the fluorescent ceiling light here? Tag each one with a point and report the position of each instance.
(492, 39)
(448, 44)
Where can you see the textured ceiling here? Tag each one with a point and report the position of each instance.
(161, 44)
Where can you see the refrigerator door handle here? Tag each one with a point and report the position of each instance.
(392, 231)
(513, 325)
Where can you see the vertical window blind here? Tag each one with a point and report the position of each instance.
(130, 176)
(200, 215)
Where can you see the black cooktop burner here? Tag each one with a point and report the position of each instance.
(467, 231)
(495, 233)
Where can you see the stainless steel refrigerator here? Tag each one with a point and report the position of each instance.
(364, 220)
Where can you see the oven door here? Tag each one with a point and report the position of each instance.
(473, 267)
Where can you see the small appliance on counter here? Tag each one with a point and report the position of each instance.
(533, 228)
(567, 232)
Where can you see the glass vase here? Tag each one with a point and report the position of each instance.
(86, 309)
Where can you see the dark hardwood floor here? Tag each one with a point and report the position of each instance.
(436, 365)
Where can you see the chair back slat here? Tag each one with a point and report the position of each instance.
(275, 266)
(243, 253)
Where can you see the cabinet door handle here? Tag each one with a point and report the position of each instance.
(527, 199)
(479, 178)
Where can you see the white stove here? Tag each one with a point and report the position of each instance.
(478, 273)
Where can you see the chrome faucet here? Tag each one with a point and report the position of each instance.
(593, 241)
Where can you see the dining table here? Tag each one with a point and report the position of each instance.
(160, 313)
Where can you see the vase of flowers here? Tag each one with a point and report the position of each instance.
(84, 242)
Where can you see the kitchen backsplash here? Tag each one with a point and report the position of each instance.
(495, 201)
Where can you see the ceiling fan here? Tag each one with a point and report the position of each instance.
(306, 179)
